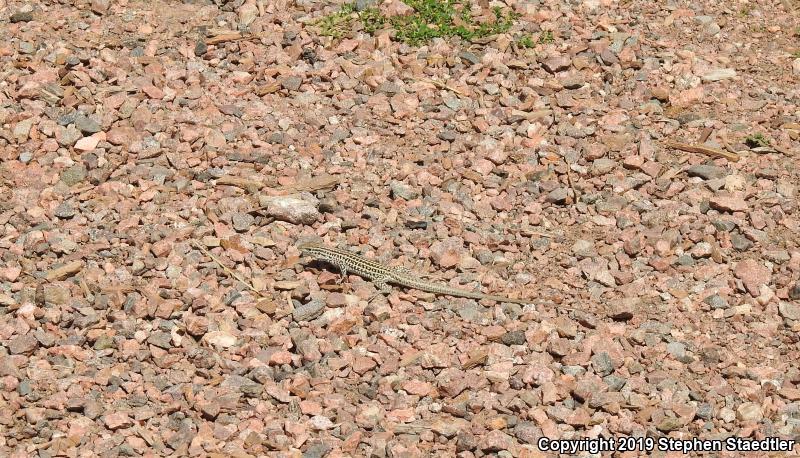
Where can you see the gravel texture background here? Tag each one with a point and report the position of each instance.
(151, 152)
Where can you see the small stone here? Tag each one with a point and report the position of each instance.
(753, 274)
(624, 309)
(86, 125)
(469, 57)
(677, 350)
(87, 143)
(161, 248)
(584, 249)
(723, 225)
(242, 221)
(100, 6)
(21, 16)
(702, 250)
(294, 209)
(718, 74)
(527, 432)
(740, 242)
(221, 339)
(514, 338)
(321, 423)
(22, 129)
(706, 172)
(556, 64)
(309, 311)
(794, 291)
(614, 382)
(200, 47)
(495, 441)
(789, 311)
(705, 411)
(749, 411)
(602, 363)
(25, 157)
(103, 342)
(55, 295)
(727, 415)
(777, 256)
(117, 420)
(73, 175)
(465, 441)
(558, 196)
(572, 82)
(23, 345)
(160, 339)
(669, 424)
(602, 166)
(716, 301)
(64, 211)
(660, 93)
(392, 8)
(402, 190)
(291, 83)
(318, 449)
(728, 203)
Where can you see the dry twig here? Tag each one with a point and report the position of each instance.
(707, 150)
(226, 268)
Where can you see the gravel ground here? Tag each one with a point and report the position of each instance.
(160, 161)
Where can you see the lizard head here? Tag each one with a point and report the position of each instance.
(311, 249)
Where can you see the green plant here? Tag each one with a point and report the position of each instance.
(431, 19)
(372, 19)
(756, 140)
(337, 24)
(525, 42)
(547, 37)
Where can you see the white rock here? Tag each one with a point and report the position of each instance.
(718, 74)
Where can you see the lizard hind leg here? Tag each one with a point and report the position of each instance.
(382, 284)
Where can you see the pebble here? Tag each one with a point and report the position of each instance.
(86, 125)
(716, 301)
(21, 16)
(719, 74)
(242, 221)
(64, 210)
(706, 172)
(540, 173)
(293, 209)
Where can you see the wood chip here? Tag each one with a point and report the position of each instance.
(239, 182)
(316, 183)
(221, 38)
(477, 357)
(707, 150)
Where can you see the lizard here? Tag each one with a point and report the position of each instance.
(381, 275)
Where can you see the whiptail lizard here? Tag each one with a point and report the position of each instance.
(381, 275)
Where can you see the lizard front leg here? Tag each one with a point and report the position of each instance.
(342, 270)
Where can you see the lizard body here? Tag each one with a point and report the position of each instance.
(381, 275)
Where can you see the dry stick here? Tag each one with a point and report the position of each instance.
(234, 36)
(442, 86)
(226, 269)
(707, 150)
